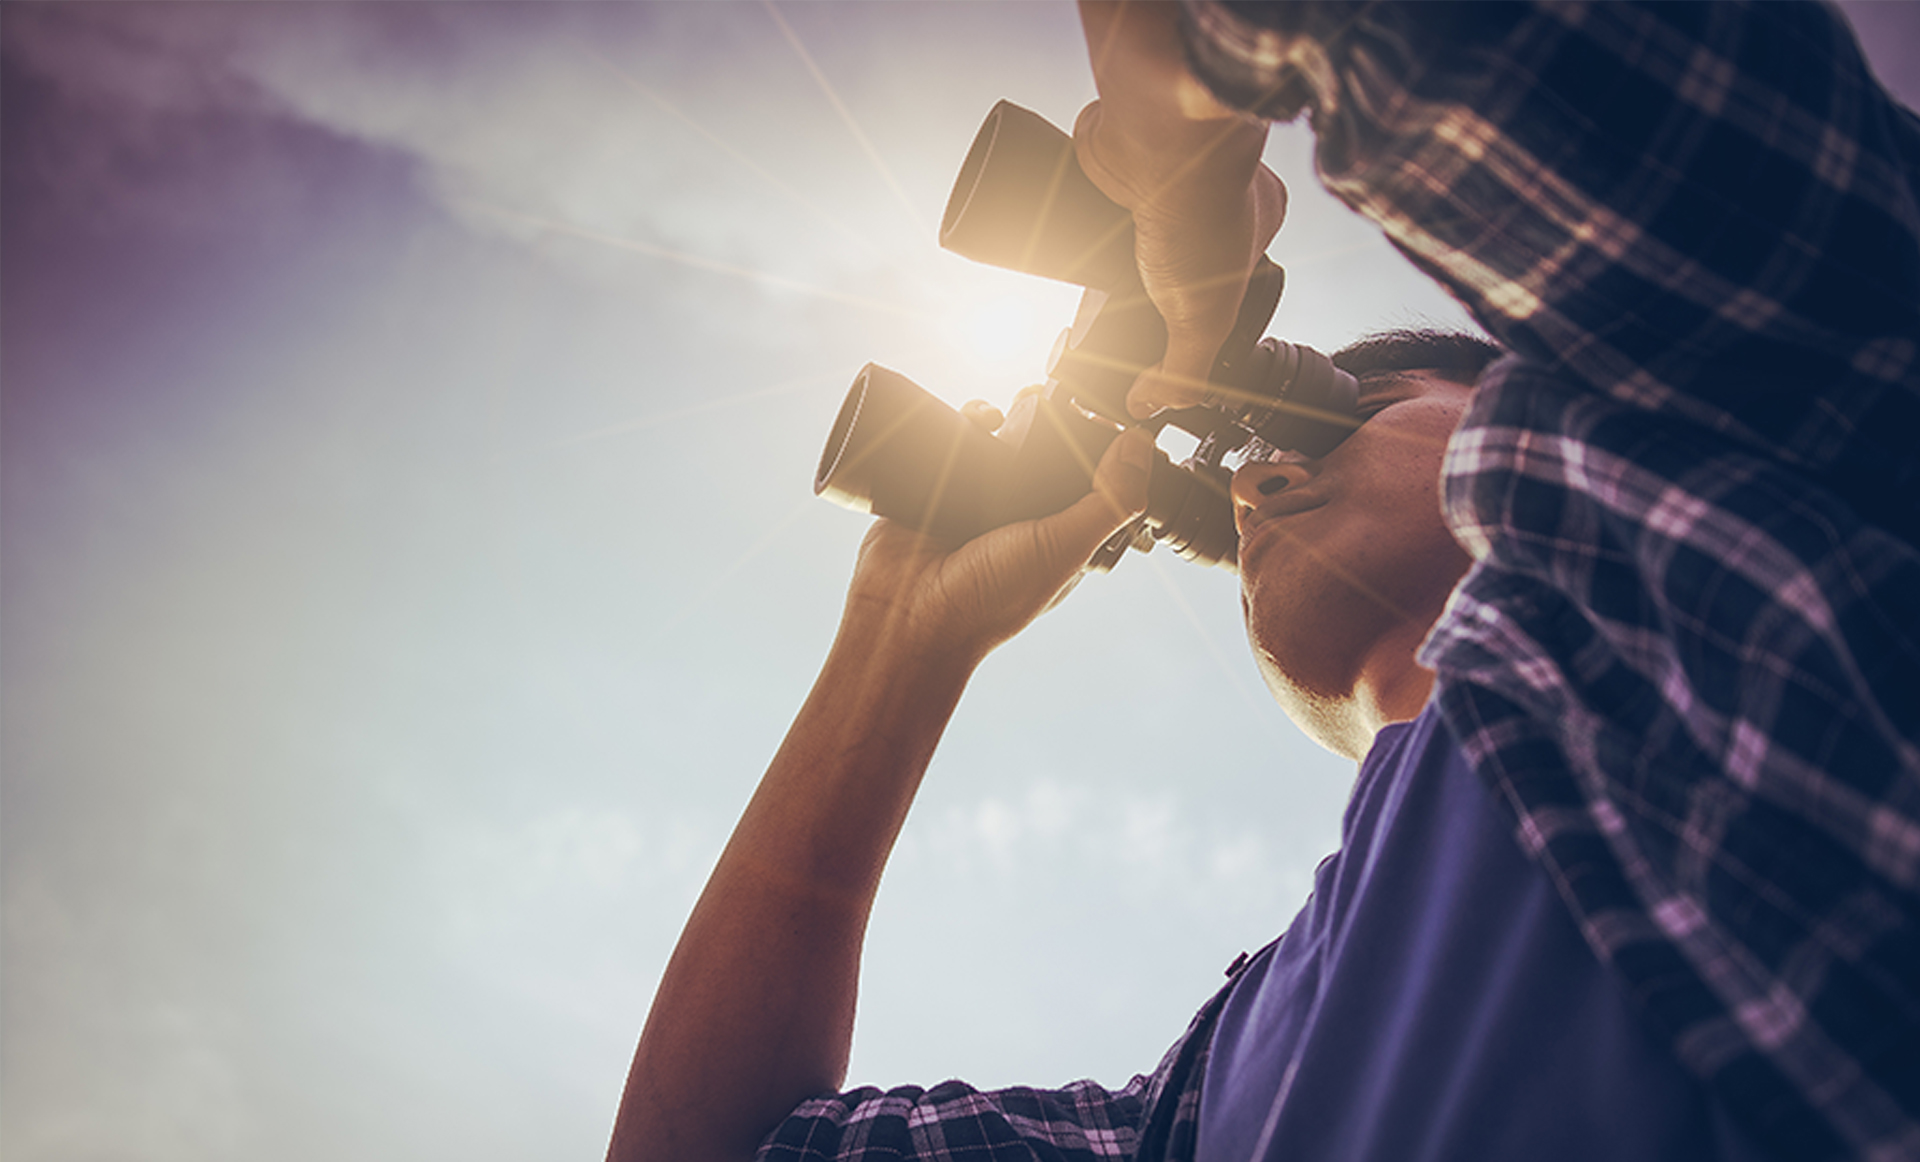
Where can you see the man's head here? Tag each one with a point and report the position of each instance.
(1344, 561)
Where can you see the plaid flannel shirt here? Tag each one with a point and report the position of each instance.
(1687, 656)
(1154, 1116)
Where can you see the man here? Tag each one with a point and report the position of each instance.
(1683, 658)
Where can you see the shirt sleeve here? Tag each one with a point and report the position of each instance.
(1683, 206)
(1687, 656)
(1153, 1118)
(953, 1120)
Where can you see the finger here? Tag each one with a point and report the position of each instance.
(983, 414)
(1269, 207)
(1122, 476)
(1119, 494)
(1178, 381)
(1087, 129)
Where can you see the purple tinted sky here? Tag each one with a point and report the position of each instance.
(409, 565)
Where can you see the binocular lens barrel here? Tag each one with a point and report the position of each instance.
(1022, 202)
(1298, 399)
(898, 451)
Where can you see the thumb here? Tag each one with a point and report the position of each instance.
(1121, 479)
(1177, 381)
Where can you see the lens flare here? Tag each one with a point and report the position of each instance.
(1005, 327)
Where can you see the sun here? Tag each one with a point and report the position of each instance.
(999, 329)
(1005, 327)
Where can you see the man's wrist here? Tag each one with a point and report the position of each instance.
(894, 658)
(1174, 166)
(1155, 125)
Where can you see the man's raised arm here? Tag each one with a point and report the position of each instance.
(1204, 208)
(755, 1011)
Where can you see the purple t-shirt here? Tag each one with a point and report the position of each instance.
(1433, 1000)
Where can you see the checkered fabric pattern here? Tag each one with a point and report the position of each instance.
(1688, 654)
(954, 1120)
(1153, 1116)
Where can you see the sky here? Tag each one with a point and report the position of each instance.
(408, 563)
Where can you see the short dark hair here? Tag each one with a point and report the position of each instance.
(1455, 355)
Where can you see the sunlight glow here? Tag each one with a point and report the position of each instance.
(715, 403)
(847, 118)
(993, 333)
(764, 174)
(1003, 328)
(682, 258)
(715, 578)
(1232, 664)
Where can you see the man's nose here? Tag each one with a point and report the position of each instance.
(1260, 479)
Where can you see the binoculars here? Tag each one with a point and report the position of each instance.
(1022, 202)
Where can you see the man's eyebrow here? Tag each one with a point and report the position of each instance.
(1383, 377)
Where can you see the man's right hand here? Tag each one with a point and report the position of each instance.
(913, 595)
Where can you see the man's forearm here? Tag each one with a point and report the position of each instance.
(755, 1011)
(1154, 104)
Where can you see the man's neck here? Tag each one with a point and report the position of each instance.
(1390, 687)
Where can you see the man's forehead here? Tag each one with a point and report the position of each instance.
(1413, 380)
(1450, 355)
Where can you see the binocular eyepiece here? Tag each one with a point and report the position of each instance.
(1022, 202)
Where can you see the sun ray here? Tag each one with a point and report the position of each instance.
(1198, 284)
(878, 440)
(1228, 128)
(1055, 181)
(1079, 454)
(696, 261)
(820, 215)
(941, 477)
(714, 578)
(1231, 395)
(628, 427)
(1235, 674)
(1126, 222)
(1352, 579)
(846, 115)
(1307, 549)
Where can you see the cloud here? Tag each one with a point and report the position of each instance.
(187, 1100)
(1149, 844)
(697, 149)
(494, 878)
(609, 118)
